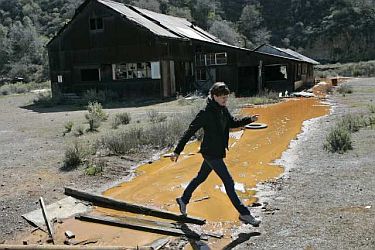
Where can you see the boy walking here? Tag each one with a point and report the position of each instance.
(215, 120)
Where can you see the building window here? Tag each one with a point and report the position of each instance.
(211, 59)
(201, 75)
(132, 70)
(90, 75)
(96, 23)
(275, 72)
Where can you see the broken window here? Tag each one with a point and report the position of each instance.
(211, 59)
(132, 70)
(275, 72)
(90, 75)
(96, 23)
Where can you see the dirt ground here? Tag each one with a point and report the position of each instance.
(323, 201)
(32, 149)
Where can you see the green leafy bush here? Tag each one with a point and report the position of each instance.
(338, 140)
(95, 167)
(95, 116)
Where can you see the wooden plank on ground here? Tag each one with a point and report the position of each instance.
(64, 247)
(103, 201)
(133, 224)
(48, 224)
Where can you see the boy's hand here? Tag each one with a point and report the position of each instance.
(174, 157)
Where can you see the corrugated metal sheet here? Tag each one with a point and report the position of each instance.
(181, 26)
(302, 57)
(269, 49)
(138, 18)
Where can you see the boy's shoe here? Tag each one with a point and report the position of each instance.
(182, 206)
(249, 219)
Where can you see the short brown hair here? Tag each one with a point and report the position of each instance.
(219, 89)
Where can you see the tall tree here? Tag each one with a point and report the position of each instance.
(251, 25)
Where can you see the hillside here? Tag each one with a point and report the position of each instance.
(326, 30)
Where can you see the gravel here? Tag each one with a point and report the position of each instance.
(324, 200)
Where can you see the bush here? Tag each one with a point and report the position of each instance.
(96, 109)
(91, 96)
(73, 156)
(154, 116)
(352, 123)
(121, 118)
(338, 140)
(344, 89)
(95, 167)
(371, 108)
(79, 130)
(68, 127)
(95, 116)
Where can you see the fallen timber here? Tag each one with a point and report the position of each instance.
(139, 224)
(63, 247)
(103, 201)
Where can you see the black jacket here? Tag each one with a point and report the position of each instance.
(215, 121)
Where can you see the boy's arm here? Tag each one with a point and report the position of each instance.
(196, 124)
(240, 122)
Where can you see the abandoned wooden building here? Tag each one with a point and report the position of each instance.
(134, 52)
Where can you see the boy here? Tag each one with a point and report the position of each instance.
(215, 120)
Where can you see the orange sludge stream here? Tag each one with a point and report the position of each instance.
(249, 160)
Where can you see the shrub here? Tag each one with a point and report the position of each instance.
(338, 140)
(344, 89)
(154, 116)
(371, 121)
(91, 96)
(352, 123)
(95, 116)
(121, 118)
(95, 167)
(79, 130)
(97, 109)
(68, 127)
(124, 118)
(371, 108)
(73, 156)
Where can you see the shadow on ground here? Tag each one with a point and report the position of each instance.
(79, 106)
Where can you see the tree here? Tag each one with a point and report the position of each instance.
(4, 47)
(225, 31)
(152, 5)
(251, 25)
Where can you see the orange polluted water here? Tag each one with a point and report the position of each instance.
(249, 160)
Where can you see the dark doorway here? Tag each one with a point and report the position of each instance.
(89, 75)
(247, 81)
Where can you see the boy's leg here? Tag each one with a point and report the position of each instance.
(221, 170)
(202, 175)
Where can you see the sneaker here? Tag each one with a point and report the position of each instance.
(182, 206)
(249, 219)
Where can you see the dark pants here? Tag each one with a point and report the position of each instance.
(221, 170)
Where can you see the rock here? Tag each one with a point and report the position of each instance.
(69, 234)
